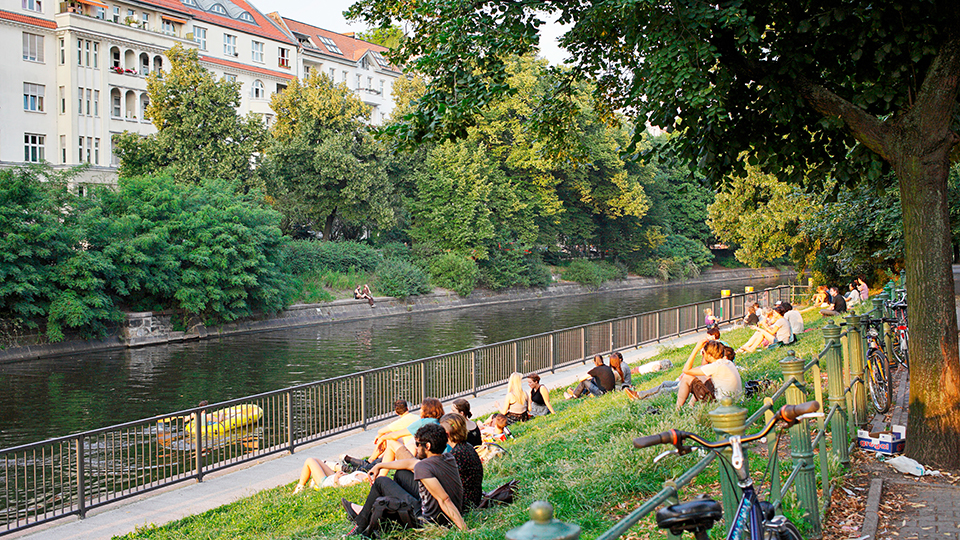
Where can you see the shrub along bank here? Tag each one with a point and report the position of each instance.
(557, 458)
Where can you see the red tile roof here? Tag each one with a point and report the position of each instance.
(173, 5)
(245, 67)
(26, 19)
(264, 27)
(352, 48)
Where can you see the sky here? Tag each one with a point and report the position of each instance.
(328, 14)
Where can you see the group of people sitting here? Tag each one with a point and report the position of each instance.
(833, 303)
(603, 378)
(773, 327)
(520, 405)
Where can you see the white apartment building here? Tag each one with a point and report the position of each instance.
(81, 77)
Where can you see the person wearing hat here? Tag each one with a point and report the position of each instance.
(539, 397)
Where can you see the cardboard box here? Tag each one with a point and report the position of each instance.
(884, 442)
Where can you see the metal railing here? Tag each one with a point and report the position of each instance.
(845, 409)
(70, 475)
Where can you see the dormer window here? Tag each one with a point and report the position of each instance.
(190, 3)
(330, 45)
(217, 8)
(245, 16)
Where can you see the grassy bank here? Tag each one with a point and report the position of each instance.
(581, 460)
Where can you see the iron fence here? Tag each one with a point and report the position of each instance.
(70, 475)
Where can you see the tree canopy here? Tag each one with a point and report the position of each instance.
(813, 90)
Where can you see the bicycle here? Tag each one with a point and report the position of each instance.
(900, 335)
(877, 370)
(698, 516)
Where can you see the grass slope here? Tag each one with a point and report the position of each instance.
(581, 460)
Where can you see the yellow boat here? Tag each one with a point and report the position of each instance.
(222, 421)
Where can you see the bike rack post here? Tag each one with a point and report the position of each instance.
(801, 451)
(835, 394)
(858, 391)
(728, 420)
(542, 526)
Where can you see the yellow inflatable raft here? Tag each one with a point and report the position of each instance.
(222, 421)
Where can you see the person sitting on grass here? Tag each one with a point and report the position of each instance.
(462, 406)
(428, 482)
(752, 318)
(718, 368)
(621, 370)
(838, 306)
(398, 444)
(539, 397)
(320, 475)
(516, 405)
(770, 334)
(468, 462)
(597, 381)
(494, 429)
(794, 318)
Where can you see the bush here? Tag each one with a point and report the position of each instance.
(539, 274)
(506, 267)
(400, 279)
(307, 256)
(683, 248)
(395, 250)
(611, 271)
(455, 272)
(583, 272)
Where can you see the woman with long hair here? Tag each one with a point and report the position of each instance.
(516, 406)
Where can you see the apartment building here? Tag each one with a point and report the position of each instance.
(84, 66)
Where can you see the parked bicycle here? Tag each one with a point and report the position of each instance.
(753, 516)
(900, 331)
(877, 372)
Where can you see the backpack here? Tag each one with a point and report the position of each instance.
(390, 510)
(703, 391)
(502, 495)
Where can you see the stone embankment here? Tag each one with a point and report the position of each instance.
(151, 328)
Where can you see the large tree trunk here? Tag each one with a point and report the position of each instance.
(328, 226)
(933, 432)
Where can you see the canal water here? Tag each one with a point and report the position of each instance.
(59, 396)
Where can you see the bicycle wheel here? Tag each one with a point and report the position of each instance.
(878, 379)
(904, 346)
(898, 349)
(780, 528)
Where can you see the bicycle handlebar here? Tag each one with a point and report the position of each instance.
(788, 413)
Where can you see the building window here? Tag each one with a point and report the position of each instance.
(330, 45)
(80, 150)
(358, 81)
(33, 97)
(32, 47)
(344, 80)
(86, 53)
(63, 51)
(116, 14)
(284, 57)
(63, 149)
(116, 57)
(146, 21)
(258, 90)
(79, 100)
(96, 54)
(306, 72)
(63, 100)
(200, 36)
(33, 147)
(102, 13)
(79, 52)
(131, 16)
(381, 87)
(333, 74)
(89, 99)
(32, 5)
(169, 28)
(116, 105)
(230, 77)
(217, 8)
(245, 16)
(370, 83)
(96, 151)
(96, 103)
(229, 45)
(257, 54)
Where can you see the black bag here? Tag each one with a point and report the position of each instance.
(502, 495)
(703, 391)
(390, 510)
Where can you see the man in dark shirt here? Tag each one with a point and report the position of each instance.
(598, 381)
(839, 304)
(429, 483)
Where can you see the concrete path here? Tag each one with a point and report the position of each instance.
(217, 489)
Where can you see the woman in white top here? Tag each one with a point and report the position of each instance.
(718, 368)
(516, 406)
(775, 331)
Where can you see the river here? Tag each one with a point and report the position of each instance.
(58, 396)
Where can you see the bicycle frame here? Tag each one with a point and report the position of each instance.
(749, 508)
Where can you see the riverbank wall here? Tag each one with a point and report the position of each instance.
(152, 328)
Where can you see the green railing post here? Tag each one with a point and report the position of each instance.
(858, 391)
(835, 386)
(877, 302)
(542, 526)
(729, 420)
(800, 449)
(903, 279)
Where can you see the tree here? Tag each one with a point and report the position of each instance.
(199, 134)
(388, 37)
(322, 162)
(760, 214)
(811, 89)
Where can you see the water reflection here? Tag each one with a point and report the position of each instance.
(57, 396)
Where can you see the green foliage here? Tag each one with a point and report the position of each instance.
(510, 265)
(400, 279)
(395, 250)
(310, 256)
(199, 135)
(388, 37)
(593, 273)
(455, 272)
(322, 163)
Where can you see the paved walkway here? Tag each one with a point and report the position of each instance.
(217, 489)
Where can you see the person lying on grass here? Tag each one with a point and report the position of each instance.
(718, 368)
(428, 483)
(318, 474)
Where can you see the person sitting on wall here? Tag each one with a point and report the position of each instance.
(539, 397)
(363, 294)
(429, 483)
(597, 381)
(462, 406)
(468, 462)
(839, 305)
(772, 333)
(516, 405)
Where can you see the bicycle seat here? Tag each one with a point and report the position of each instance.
(696, 515)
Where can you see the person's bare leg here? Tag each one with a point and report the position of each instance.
(755, 340)
(390, 454)
(312, 468)
(683, 390)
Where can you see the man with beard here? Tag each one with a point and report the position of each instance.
(429, 484)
